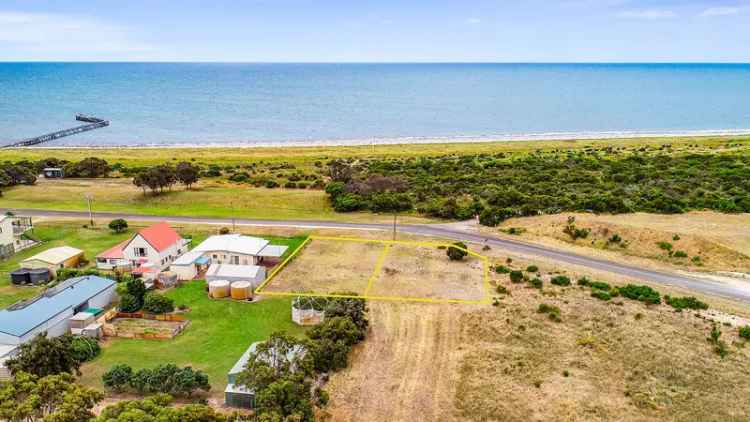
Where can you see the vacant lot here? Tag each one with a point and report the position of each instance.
(412, 271)
(381, 269)
(616, 360)
(329, 266)
(711, 241)
(219, 332)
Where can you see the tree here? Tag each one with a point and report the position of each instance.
(85, 348)
(352, 308)
(187, 173)
(158, 303)
(136, 288)
(158, 408)
(167, 378)
(118, 225)
(45, 356)
(289, 398)
(278, 357)
(457, 251)
(88, 167)
(118, 377)
(53, 398)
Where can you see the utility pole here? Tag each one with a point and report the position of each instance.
(91, 215)
(394, 226)
(231, 204)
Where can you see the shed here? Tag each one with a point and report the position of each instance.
(53, 173)
(54, 259)
(253, 273)
(187, 266)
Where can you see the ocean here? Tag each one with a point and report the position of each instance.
(291, 104)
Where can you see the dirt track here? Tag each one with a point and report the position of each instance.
(417, 347)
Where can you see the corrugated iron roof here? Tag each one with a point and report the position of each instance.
(56, 255)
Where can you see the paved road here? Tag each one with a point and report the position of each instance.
(438, 230)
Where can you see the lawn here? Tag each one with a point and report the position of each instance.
(91, 240)
(220, 331)
(209, 199)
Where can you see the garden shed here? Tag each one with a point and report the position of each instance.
(54, 259)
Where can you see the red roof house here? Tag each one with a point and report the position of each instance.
(156, 246)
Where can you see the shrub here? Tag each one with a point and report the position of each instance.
(501, 289)
(553, 312)
(536, 283)
(685, 302)
(744, 332)
(118, 377)
(118, 225)
(516, 276)
(665, 246)
(583, 281)
(641, 293)
(532, 269)
(85, 348)
(457, 251)
(615, 238)
(224, 230)
(601, 294)
(158, 303)
(502, 269)
(169, 379)
(347, 202)
(128, 303)
(600, 285)
(560, 280)
(680, 254)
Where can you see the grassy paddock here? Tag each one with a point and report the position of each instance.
(219, 332)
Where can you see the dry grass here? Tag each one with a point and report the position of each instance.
(617, 360)
(721, 241)
(329, 266)
(426, 272)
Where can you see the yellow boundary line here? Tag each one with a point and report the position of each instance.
(376, 273)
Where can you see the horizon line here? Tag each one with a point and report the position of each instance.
(373, 62)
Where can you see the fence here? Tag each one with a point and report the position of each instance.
(155, 317)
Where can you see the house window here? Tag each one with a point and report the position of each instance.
(216, 256)
(140, 252)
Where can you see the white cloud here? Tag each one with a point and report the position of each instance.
(720, 11)
(60, 37)
(473, 21)
(650, 14)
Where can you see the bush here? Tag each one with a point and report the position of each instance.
(118, 225)
(85, 348)
(156, 303)
(501, 289)
(516, 276)
(128, 303)
(536, 283)
(560, 280)
(601, 294)
(680, 254)
(118, 377)
(744, 332)
(641, 293)
(169, 379)
(502, 269)
(600, 285)
(224, 230)
(553, 312)
(347, 202)
(583, 281)
(532, 269)
(457, 251)
(685, 302)
(665, 246)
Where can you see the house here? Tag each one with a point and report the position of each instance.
(54, 259)
(52, 311)
(53, 173)
(12, 239)
(239, 396)
(237, 254)
(151, 250)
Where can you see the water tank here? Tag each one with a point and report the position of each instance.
(242, 290)
(20, 276)
(39, 276)
(218, 288)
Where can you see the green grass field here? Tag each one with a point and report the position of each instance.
(219, 332)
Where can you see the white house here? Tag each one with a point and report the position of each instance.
(151, 249)
(237, 254)
(12, 229)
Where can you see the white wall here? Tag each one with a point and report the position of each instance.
(184, 272)
(6, 231)
(159, 259)
(224, 257)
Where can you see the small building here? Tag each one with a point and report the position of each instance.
(53, 173)
(254, 274)
(155, 246)
(52, 311)
(54, 259)
(227, 251)
(12, 230)
(240, 396)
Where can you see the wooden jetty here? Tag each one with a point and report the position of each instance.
(91, 124)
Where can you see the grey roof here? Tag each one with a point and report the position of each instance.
(273, 251)
(23, 317)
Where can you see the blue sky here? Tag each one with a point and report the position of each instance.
(376, 31)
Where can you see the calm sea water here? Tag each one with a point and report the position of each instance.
(204, 104)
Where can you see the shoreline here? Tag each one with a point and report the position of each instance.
(432, 140)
